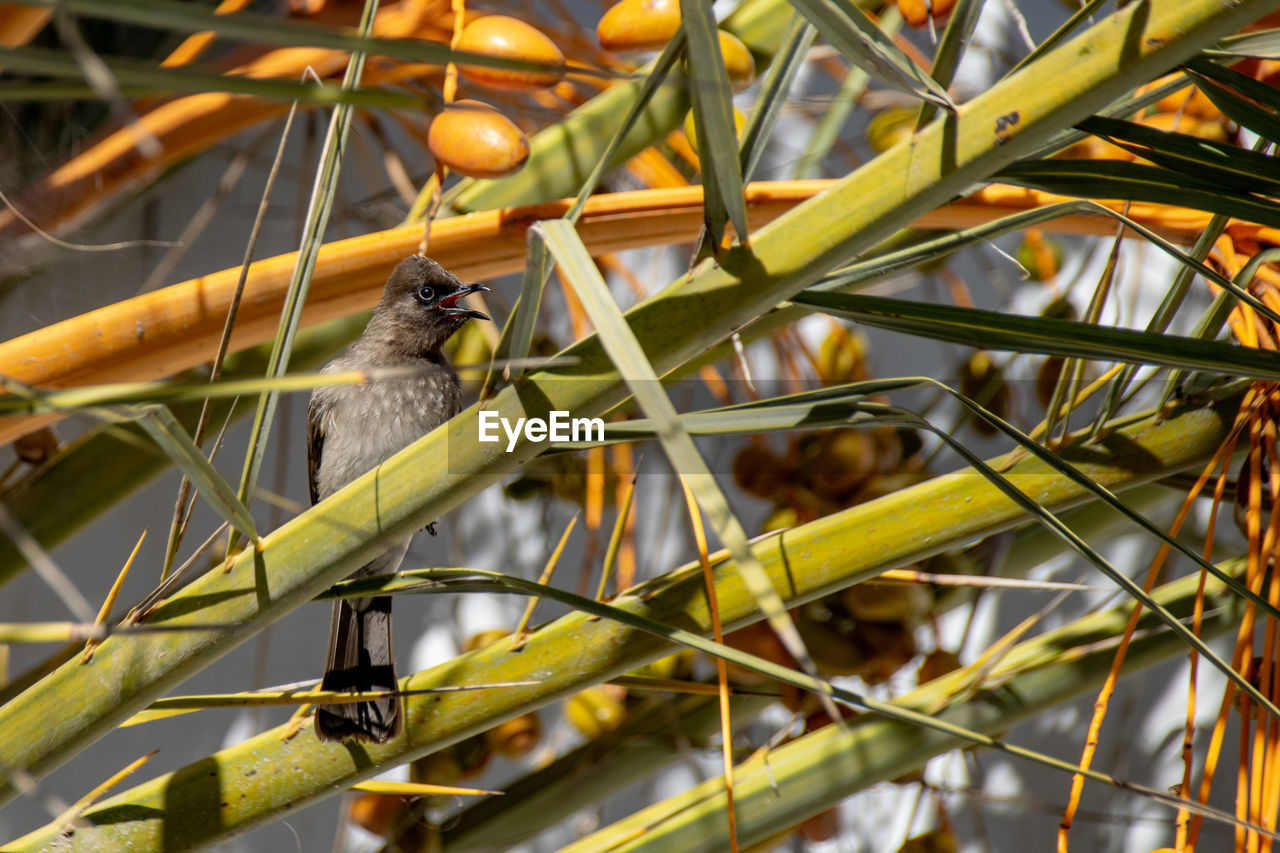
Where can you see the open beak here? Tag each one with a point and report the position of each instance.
(449, 304)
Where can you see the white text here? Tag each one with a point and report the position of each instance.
(558, 427)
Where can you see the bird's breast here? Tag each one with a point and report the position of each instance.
(369, 424)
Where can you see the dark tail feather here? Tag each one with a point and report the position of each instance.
(360, 659)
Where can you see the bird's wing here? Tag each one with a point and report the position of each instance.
(315, 447)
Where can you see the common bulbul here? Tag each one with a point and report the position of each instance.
(354, 428)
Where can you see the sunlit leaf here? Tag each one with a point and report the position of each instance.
(864, 44)
(713, 119)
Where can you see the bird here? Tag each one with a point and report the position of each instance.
(352, 429)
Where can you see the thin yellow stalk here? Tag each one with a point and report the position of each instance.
(72, 814)
(722, 671)
(418, 789)
(110, 601)
(521, 635)
(615, 539)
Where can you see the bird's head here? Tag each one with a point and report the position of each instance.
(421, 307)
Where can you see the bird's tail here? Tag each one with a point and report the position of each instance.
(360, 660)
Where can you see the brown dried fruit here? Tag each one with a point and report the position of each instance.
(515, 738)
(845, 459)
(823, 826)
(757, 470)
(757, 639)
(833, 651)
(376, 813)
(889, 646)
(887, 602)
(936, 664)
(37, 446)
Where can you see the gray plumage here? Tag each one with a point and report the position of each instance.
(354, 428)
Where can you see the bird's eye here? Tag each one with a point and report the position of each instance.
(426, 294)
